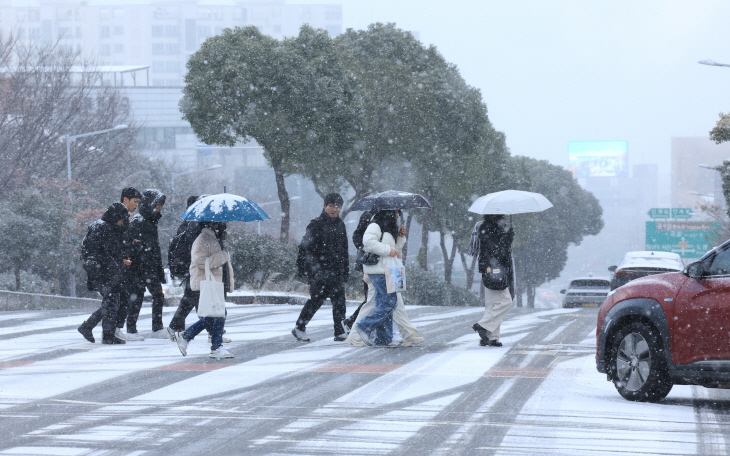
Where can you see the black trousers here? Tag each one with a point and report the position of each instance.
(106, 314)
(136, 294)
(187, 303)
(320, 290)
(123, 305)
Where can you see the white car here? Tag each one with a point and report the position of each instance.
(172, 290)
(641, 264)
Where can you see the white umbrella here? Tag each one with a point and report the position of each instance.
(509, 202)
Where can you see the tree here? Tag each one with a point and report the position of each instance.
(47, 92)
(542, 238)
(290, 96)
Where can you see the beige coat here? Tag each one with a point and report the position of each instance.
(206, 246)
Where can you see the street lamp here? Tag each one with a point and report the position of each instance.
(174, 175)
(275, 202)
(69, 140)
(711, 62)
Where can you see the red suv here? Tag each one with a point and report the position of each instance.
(667, 329)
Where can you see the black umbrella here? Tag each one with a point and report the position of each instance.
(392, 199)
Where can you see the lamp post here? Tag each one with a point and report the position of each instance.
(174, 175)
(69, 140)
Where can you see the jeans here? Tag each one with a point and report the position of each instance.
(214, 327)
(321, 289)
(382, 317)
(187, 303)
(136, 294)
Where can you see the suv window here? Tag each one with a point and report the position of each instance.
(720, 264)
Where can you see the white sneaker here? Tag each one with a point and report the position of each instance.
(133, 336)
(171, 334)
(118, 333)
(225, 339)
(159, 334)
(182, 344)
(412, 340)
(220, 353)
(300, 335)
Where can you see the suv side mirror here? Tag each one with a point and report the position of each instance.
(612, 268)
(695, 270)
(562, 291)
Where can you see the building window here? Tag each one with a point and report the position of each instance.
(240, 14)
(158, 48)
(173, 82)
(21, 15)
(21, 33)
(64, 33)
(105, 13)
(172, 48)
(276, 11)
(104, 32)
(204, 13)
(218, 29)
(158, 31)
(34, 33)
(118, 30)
(172, 31)
(204, 31)
(158, 66)
(118, 13)
(158, 82)
(78, 32)
(118, 48)
(34, 15)
(333, 13)
(276, 28)
(106, 49)
(334, 30)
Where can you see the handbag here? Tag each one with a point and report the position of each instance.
(395, 275)
(212, 298)
(367, 258)
(495, 277)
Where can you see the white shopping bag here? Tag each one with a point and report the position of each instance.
(395, 275)
(212, 299)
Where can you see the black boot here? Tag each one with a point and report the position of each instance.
(112, 340)
(86, 332)
(481, 331)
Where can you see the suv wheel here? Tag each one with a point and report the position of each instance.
(638, 366)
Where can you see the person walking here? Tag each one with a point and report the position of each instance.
(147, 271)
(207, 247)
(104, 262)
(130, 199)
(385, 238)
(324, 262)
(493, 242)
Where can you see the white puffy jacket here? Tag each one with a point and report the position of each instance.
(373, 244)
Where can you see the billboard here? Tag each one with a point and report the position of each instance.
(598, 158)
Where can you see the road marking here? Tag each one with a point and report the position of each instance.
(358, 368)
(191, 367)
(523, 372)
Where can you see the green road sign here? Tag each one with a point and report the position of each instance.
(688, 239)
(681, 213)
(659, 212)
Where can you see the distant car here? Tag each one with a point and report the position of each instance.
(642, 264)
(586, 292)
(172, 290)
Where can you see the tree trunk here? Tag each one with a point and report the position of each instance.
(531, 296)
(469, 271)
(283, 198)
(448, 259)
(519, 290)
(423, 251)
(17, 278)
(408, 230)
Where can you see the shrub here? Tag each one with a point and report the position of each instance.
(258, 258)
(427, 289)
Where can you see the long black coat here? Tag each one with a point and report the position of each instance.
(146, 254)
(102, 250)
(323, 250)
(495, 242)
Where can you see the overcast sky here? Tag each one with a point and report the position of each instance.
(557, 71)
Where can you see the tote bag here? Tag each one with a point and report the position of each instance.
(212, 299)
(395, 275)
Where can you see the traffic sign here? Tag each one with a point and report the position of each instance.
(659, 212)
(688, 239)
(681, 213)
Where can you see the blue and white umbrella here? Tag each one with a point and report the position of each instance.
(224, 207)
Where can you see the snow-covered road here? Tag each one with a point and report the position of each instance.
(538, 394)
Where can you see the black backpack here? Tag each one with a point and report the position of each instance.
(178, 253)
(362, 225)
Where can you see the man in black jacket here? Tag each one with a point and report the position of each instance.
(130, 199)
(323, 261)
(104, 262)
(147, 270)
(495, 264)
